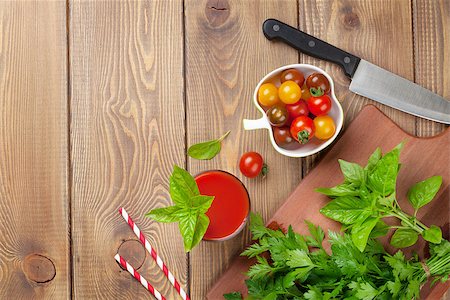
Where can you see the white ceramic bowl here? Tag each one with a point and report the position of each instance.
(314, 145)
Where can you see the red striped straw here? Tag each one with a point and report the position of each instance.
(153, 254)
(138, 277)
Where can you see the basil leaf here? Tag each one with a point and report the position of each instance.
(361, 231)
(200, 229)
(346, 210)
(403, 238)
(201, 203)
(383, 177)
(380, 229)
(165, 215)
(207, 150)
(232, 296)
(373, 159)
(423, 192)
(344, 189)
(387, 201)
(182, 186)
(432, 234)
(187, 224)
(352, 172)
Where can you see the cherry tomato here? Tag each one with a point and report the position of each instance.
(251, 164)
(282, 136)
(317, 80)
(302, 129)
(305, 93)
(325, 127)
(319, 106)
(268, 94)
(289, 92)
(299, 108)
(293, 75)
(278, 115)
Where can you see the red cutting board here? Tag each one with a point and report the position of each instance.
(420, 158)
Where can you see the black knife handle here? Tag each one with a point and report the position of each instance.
(274, 29)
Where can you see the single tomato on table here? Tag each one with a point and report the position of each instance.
(317, 80)
(325, 127)
(278, 115)
(293, 75)
(252, 164)
(319, 104)
(289, 92)
(302, 129)
(268, 94)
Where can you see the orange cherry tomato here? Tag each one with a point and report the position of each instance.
(325, 127)
(268, 94)
(289, 92)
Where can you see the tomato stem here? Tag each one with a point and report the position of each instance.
(303, 136)
(264, 170)
(316, 92)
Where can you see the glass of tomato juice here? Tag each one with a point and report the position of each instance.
(230, 208)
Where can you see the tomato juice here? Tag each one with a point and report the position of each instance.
(229, 210)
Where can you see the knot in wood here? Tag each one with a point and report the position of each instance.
(133, 252)
(217, 12)
(39, 268)
(350, 19)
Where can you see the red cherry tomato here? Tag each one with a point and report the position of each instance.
(283, 137)
(299, 108)
(317, 80)
(302, 129)
(251, 164)
(293, 75)
(319, 106)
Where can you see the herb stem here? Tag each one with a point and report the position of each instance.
(224, 136)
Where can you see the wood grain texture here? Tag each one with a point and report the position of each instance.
(226, 56)
(128, 131)
(432, 53)
(34, 207)
(377, 31)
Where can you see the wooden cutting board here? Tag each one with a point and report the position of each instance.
(420, 158)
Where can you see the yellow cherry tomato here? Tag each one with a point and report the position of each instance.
(289, 92)
(268, 94)
(325, 127)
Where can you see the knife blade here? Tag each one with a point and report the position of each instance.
(367, 79)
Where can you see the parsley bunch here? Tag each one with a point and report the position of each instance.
(367, 195)
(294, 266)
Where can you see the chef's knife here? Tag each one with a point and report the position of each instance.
(368, 80)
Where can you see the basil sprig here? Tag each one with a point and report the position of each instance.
(367, 195)
(207, 150)
(189, 210)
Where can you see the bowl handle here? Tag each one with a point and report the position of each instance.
(256, 124)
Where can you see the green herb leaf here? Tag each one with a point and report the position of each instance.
(352, 172)
(201, 203)
(344, 189)
(380, 229)
(165, 214)
(373, 159)
(361, 231)
(346, 209)
(383, 177)
(403, 238)
(432, 234)
(193, 226)
(182, 186)
(317, 235)
(298, 259)
(207, 150)
(233, 296)
(261, 269)
(423, 192)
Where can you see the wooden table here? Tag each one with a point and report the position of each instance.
(98, 101)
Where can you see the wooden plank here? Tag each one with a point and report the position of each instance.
(34, 218)
(226, 56)
(127, 133)
(431, 48)
(377, 31)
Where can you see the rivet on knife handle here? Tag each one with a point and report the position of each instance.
(274, 29)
